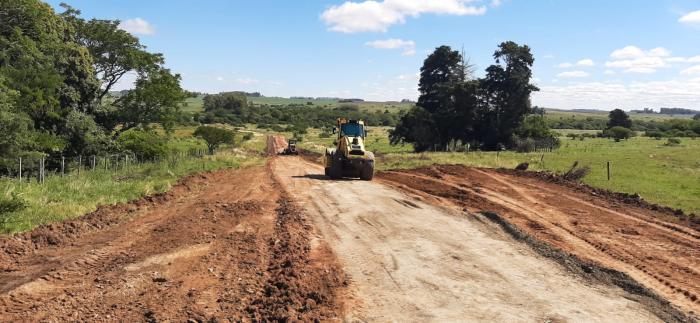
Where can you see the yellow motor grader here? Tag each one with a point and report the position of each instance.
(349, 158)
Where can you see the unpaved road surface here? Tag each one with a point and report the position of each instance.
(223, 246)
(281, 242)
(411, 261)
(652, 247)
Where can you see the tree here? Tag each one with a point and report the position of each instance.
(618, 133)
(156, 98)
(115, 52)
(215, 136)
(508, 88)
(486, 111)
(440, 70)
(534, 126)
(15, 127)
(228, 107)
(696, 117)
(618, 118)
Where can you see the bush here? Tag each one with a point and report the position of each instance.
(144, 144)
(577, 173)
(673, 142)
(248, 136)
(11, 204)
(215, 136)
(618, 133)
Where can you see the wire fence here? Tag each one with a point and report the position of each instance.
(38, 168)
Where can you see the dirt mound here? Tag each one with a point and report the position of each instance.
(691, 220)
(621, 233)
(63, 233)
(302, 284)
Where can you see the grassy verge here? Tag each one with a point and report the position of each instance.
(61, 198)
(666, 175)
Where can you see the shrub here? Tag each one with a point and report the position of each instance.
(576, 173)
(215, 136)
(11, 204)
(144, 144)
(673, 142)
(618, 133)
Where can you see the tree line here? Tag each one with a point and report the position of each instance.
(489, 113)
(235, 109)
(56, 74)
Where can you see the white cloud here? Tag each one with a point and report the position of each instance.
(627, 53)
(565, 65)
(408, 46)
(610, 95)
(691, 18)
(548, 56)
(219, 78)
(572, 74)
(392, 43)
(137, 26)
(691, 70)
(641, 70)
(609, 72)
(373, 16)
(694, 59)
(636, 60)
(496, 3)
(587, 62)
(659, 52)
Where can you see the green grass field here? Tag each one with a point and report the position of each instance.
(61, 198)
(603, 115)
(667, 175)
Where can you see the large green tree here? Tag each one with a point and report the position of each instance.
(115, 52)
(486, 111)
(441, 70)
(508, 88)
(619, 118)
(155, 99)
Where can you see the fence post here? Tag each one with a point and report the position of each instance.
(80, 163)
(93, 162)
(608, 170)
(42, 169)
(63, 166)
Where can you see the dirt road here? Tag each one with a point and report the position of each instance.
(281, 242)
(221, 246)
(411, 261)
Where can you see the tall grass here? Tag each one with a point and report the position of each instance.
(60, 198)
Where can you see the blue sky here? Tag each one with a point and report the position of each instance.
(589, 54)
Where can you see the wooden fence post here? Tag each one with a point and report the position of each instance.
(63, 166)
(608, 170)
(93, 162)
(20, 170)
(80, 163)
